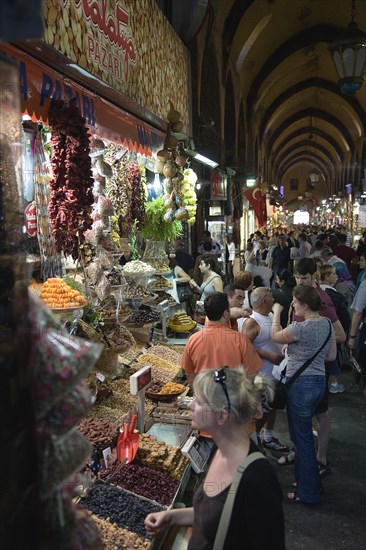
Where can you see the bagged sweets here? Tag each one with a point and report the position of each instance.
(60, 458)
(68, 412)
(58, 361)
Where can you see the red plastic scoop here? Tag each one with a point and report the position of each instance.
(128, 442)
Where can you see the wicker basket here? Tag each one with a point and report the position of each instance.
(89, 333)
(107, 362)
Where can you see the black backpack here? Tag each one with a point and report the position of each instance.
(341, 307)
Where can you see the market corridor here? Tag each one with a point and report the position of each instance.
(339, 521)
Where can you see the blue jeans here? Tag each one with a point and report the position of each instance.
(301, 400)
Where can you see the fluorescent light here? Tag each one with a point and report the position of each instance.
(202, 158)
(205, 160)
(250, 182)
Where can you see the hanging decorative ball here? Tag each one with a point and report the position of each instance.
(169, 217)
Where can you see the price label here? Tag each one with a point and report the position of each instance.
(100, 377)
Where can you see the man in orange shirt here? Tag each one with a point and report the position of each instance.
(217, 344)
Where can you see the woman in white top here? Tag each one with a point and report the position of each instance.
(229, 257)
(249, 258)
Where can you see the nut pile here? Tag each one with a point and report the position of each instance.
(117, 538)
(160, 456)
(119, 507)
(135, 291)
(161, 296)
(145, 482)
(100, 433)
(166, 353)
(159, 266)
(136, 267)
(119, 337)
(156, 386)
(160, 283)
(155, 361)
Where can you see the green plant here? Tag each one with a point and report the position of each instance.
(156, 228)
(132, 243)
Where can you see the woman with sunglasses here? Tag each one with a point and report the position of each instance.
(225, 399)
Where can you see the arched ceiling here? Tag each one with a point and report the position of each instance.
(286, 95)
(279, 50)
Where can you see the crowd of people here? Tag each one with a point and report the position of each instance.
(304, 322)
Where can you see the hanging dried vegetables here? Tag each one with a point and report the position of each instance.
(50, 261)
(138, 194)
(71, 186)
(118, 188)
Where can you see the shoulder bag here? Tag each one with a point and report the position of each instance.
(229, 502)
(279, 399)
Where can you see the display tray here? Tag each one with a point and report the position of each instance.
(182, 328)
(66, 309)
(163, 396)
(169, 433)
(164, 273)
(137, 300)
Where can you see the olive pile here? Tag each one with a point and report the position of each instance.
(145, 482)
(142, 317)
(119, 507)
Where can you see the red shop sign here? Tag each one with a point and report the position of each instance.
(30, 219)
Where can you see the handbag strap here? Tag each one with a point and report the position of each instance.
(307, 363)
(229, 502)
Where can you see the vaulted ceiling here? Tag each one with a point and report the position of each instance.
(280, 52)
(273, 67)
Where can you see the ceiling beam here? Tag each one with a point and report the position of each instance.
(331, 87)
(311, 130)
(309, 112)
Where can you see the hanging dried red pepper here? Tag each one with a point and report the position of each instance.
(71, 186)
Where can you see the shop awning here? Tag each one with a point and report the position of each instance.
(40, 85)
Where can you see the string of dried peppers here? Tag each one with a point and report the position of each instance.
(71, 186)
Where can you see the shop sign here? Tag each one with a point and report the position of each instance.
(30, 219)
(41, 86)
(121, 42)
(115, 26)
(218, 186)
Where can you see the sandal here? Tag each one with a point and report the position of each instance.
(324, 469)
(287, 460)
(294, 497)
(294, 485)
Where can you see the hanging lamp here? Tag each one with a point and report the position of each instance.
(349, 56)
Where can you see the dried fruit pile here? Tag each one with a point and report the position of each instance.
(144, 481)
(119, 507)
(117, 538)
(100, 433)
(57, 294)
(71, 199)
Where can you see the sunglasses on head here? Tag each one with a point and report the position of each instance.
(269, 291)
(219, 376)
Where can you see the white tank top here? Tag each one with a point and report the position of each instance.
(264, 339)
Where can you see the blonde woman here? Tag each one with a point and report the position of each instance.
(225, 399)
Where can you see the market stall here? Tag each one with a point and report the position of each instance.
(101, 289)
